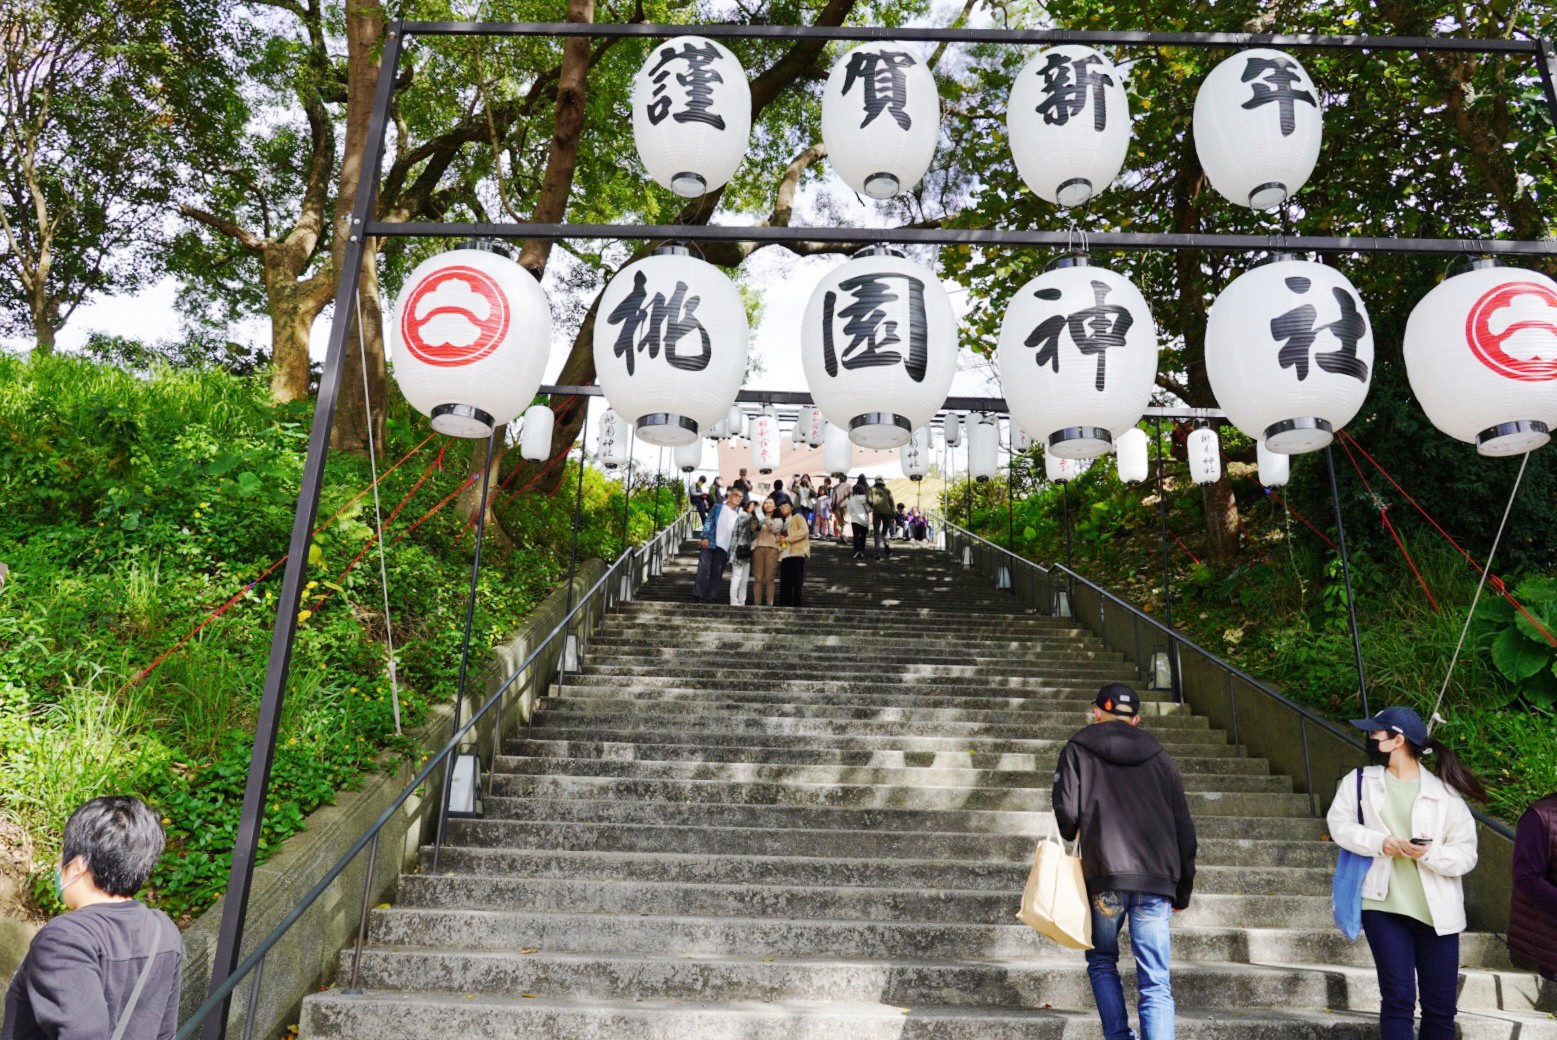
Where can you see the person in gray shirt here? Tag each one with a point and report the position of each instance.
(109, 968)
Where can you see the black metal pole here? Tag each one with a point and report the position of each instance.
(1346, 575)
(1011, 504)
(470, 620)
(1167, 580)
(1545, 64)
(1070, 562)
(256, 789)
(578, 508)
(627, 492)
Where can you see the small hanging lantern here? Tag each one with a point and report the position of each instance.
(1289, 352)
(1481, 357)
(1020, 441)
(1077, 357)
(879, 346)
(1205, 456)
(689, 456)
(735, 423)
(765, 442)
(795, 432)
(1258, 126)
(837, 451)
(915, 455)
(671, 341)
(952, 430)
(983, 445)
(1062, 470)
(691, 115)
(718, 431)
(814, 425)
(1069, 122)
(1275, 468)
(881, 117)
(469, 341)
(1132, 455)
(535, 434)
(613, 448)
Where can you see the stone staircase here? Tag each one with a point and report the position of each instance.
(754, 824)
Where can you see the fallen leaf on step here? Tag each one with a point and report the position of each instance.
(528, 996)
(529, 949)
(382, 906)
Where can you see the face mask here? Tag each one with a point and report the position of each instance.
(60, 885)
(1376, 754)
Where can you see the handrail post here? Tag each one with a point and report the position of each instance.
(253, 1001)
(362, 920)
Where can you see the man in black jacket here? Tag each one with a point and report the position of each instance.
(1120, 790)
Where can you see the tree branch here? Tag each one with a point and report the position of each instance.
(250, 242)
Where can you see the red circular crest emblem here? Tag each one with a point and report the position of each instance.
(454, 316)
(1488, 330)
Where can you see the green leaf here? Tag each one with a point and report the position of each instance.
(1532, 633)
(1517, 657)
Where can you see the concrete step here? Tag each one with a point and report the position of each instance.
(1009, 982)
(606, 751)
(820, 643)
(707, 868)
(877, 940)
(778, 705)
(741, 772)
(944, 904)
(867, 684)
(591, 826)
(723, 729)
(884, 671)
(416, 1016)
(1075, 703)
(891, 620)
(1214, 747)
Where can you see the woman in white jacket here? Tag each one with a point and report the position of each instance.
(1422, 838)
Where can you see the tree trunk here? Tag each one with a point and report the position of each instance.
(291, 322)
(45, 322)
(469, 501)
(352, 422)
(567, 126)
(1222, 521)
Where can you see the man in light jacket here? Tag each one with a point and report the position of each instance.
(718, 536)
(1118, 788)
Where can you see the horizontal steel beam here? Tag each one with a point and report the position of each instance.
(953, 404)
(932, 34)
(859, 237)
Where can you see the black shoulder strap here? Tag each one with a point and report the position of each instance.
(140, 983)
(1359, 795)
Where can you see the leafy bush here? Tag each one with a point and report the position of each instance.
(139, 501)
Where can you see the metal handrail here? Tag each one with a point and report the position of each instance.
(1232, 670)
(219, 997)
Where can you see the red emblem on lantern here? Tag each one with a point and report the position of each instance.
(1496, 319)
(454, 316)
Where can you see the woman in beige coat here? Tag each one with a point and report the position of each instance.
(792, 559)
(765, 549)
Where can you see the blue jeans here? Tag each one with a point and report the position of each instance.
(1149, 917)
(1411, 956)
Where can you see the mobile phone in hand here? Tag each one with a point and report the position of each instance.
(1421, 841)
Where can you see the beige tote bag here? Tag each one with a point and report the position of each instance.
(1054, 903)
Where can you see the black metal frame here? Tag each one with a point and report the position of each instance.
(360, 226)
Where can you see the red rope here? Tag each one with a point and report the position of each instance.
(1192, 556)
(1303, 519)
(1384, 519)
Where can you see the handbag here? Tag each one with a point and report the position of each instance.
(1054, 903)
(743, 552)
(1346, 886)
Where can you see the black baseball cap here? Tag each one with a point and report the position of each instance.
(1396, 720)
(1118, 699)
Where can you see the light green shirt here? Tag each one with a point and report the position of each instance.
(1405, 882)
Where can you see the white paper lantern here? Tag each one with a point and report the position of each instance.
(1289, 353)
(915, 455)
(881, 117)
(812, 425)
(717, 432)
(469, 340)
(794, 433)
(1069, 122)
(613, 449)
(765, 442)
(952, 430)
(879, 346)
(691, 114)
(1275, 468)
(1132, 455)
(983, 445)
(535, 434)
(1205, 456)
(689, 456)
(735, 422)
(1061, 470)
(1481, 356)
(1077, 357)
(837, 451)
(671, 341)
(1020, 441)
(1258, 125)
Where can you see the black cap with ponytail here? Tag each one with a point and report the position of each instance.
(1449, 769)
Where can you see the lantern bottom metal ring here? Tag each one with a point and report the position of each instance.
(880, 430)
(462, 420)
(981, 480)
(689, 185)
(1074, 192)
(1268, 195)
(882, 185)
(1080, 442)
(1513, 438)
(667, 429)
(1296, 436)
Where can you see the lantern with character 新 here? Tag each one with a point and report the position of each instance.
(1289, 353)
(469, 340)
(691, 115)
(1069, 124)
(881, 117)
(1481, 357)
(879, 347)
(670, 344)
